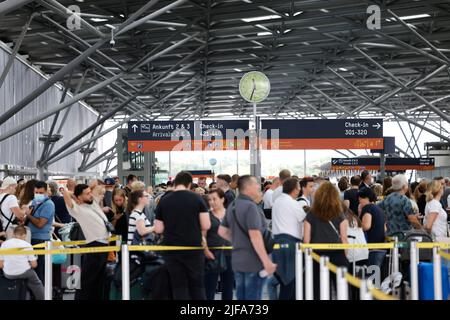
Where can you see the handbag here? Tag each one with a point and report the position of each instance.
(144, 257)
(218, 265)
(58, 258)
(266, 234)
(76, 233)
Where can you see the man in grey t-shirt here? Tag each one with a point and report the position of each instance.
(249, 255)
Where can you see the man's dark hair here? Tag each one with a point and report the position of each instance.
(79, 188)
(290, 185)
(304, 181)
(343, 184)
(284, 174)
(183, 178)
(243, 181)
(438, 178)
(355, 180)
(364, 175)
(40, 185)
(169, 184)
(225, 177)
(131, 177)
(367, 193)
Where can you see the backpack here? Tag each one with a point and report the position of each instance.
(422, 236)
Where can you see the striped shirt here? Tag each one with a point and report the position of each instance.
(135, 216)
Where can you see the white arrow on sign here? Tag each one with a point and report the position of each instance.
(334, 161)
(135, 127)
(378, 126)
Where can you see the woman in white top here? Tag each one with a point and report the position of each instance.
(435, 216)
(137, 200)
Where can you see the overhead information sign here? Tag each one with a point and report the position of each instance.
(391, 164)
(326, 133)
(147, 136)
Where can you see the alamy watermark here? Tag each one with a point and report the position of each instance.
(74, 20)
(374, 20)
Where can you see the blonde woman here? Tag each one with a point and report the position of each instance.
(435, 220)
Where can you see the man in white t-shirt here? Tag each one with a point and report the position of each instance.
(90, 216)
(287, 226)
(283, 175)
(21, 266)
(267, 198)
(10, 212)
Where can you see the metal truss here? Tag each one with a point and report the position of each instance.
(321, 59)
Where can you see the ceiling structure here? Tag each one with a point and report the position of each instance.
(184, 59)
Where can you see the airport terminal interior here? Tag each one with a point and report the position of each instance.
(224, 150)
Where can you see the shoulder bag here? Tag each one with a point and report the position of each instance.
(266, 234)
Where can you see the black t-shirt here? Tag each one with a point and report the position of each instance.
(179, 210)
(121, 227)
(421, 203)
(376, 232)
(352, 196)
(322, 231)
(61, 213)
(212, 237)
(229, 195)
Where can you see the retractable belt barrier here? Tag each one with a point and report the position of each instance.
(354, 281)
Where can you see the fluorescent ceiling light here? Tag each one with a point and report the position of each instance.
(324, 10)
(44, 43)
(442, 50)
(231, 97)
(306, 43)
(58, 55)
(297, 13)
(257, 43)
(247, 1)
(287, 30)
(343, 69)
(98, 19)
(237, 70)
(122, 15)
(110, 26)
(171, 28)
(313, 28)
(376, 44)
(417, 16)
(260, 34)
(261, 18)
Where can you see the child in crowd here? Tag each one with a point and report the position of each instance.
(21, 266)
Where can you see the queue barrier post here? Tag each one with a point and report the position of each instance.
(395, 266)
(437, 274)
(342, 286)
(414, 260)
(118, 243)
(364, 292)
(324, 279)
(298, 272)
(48, 286)
(309, 275)
(125, 272)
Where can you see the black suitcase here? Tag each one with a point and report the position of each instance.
(420, 236)
(12, 289)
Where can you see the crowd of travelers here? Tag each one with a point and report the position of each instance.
(233, 221)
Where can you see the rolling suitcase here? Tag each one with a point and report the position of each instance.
(426, 281)
(12, 289)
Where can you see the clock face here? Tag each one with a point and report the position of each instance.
(254, 86)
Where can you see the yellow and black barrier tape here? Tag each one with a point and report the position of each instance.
(354, 281)
(444, 255)
(59, 251)
(344, 246)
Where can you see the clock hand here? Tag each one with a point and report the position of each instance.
(253, 91)
(254, 88)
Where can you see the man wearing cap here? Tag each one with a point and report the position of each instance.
(10, 212)
(110, 184)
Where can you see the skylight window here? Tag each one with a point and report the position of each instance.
(98, 19)
(417, 16)
(261, 18)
